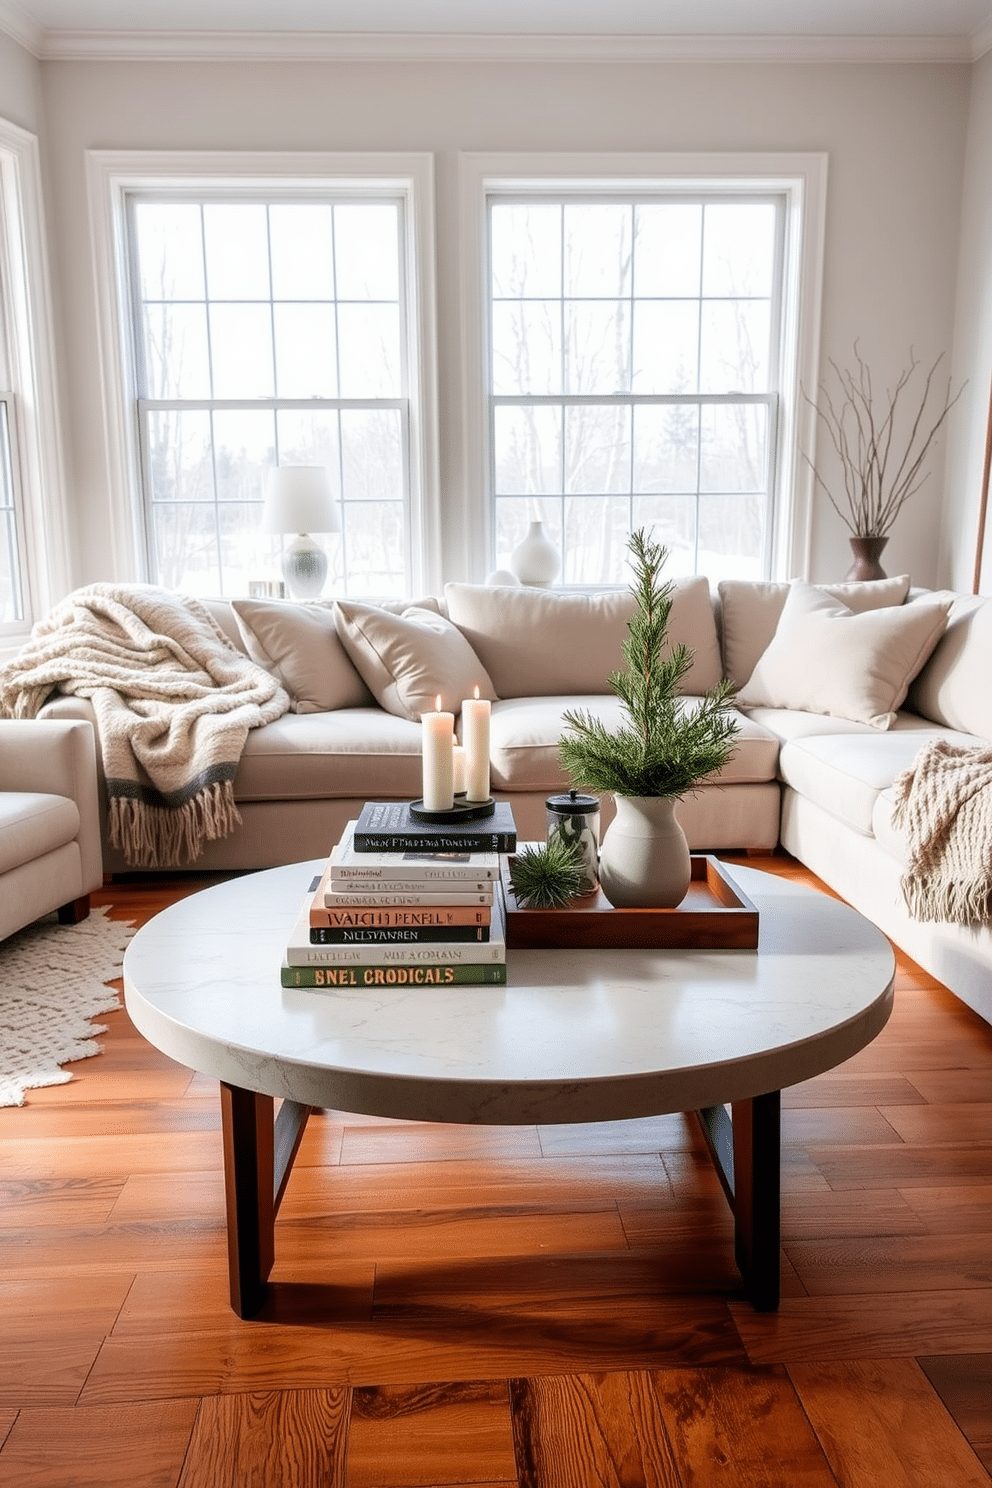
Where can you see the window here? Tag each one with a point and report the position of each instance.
(262, 308)
(34, 563)
(269, 332)
(644, 337)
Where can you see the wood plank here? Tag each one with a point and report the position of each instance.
(45, 1311)
(47, 1372)
(904, 1165)
(843, 1213)
(281, 1439)
(880, 1421)
(54, 1202)
(892, 1325)
(109, 1157)
(672, 1133)
(111, 1118)
(951, 1087)
(133, 1446)
(833, 1126)
(964, 1384)
(958, 1122)
(431, 1142)
(740, 1427)
(190, 1301)
(952, 1210)
(906, 1263)
(113, 1250)
(605, 1429)
(7, 1419)
(852, 1089)
(413, 1436)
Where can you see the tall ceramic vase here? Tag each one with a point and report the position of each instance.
(644, 859)
(866, 553)
(536, 560)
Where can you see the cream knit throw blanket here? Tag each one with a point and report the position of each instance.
(944, 805)
(174, 701)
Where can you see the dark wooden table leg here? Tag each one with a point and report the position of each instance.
(248, 1178)
(757, 1196)
(746, 1152)
(258, 1159)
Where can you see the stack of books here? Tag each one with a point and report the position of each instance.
(396, 907)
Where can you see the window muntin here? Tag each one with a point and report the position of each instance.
(270, 332)
(634, 364)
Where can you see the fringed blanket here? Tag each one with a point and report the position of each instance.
(174, 701)
(944, 805)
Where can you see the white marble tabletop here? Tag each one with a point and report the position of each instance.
(575, 1035)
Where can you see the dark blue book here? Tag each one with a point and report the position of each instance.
(389, 826)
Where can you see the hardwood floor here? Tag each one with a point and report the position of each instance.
(549, 1307)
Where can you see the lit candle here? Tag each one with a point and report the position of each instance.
(459, 775)
(438, 739)
(475, 737)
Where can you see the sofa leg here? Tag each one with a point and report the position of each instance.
(74, 911)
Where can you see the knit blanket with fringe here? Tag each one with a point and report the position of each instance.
(174, 701)
(943, 803)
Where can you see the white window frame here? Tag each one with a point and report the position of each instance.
(800, 179)
(112, 174)
(38, 471)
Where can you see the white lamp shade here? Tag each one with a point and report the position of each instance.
(298, 499)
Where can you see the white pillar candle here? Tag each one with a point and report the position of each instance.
(459, 774)
(475, 737)
(438, 741)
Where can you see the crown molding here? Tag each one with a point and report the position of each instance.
(354, 46)
(22, 28)
(981, 41)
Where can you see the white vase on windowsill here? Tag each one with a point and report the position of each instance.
(536, 560)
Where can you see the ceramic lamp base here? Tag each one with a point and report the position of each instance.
(304, 567)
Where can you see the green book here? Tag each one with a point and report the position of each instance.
(421, 974)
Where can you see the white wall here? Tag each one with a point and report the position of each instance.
(972, 351)
(895, 135)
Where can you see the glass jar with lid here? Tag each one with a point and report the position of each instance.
(575, 817)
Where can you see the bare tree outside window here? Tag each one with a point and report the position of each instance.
(270, 332)
(633, 378)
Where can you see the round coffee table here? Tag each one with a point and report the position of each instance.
(574, 1036)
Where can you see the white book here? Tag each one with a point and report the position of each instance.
(437, 869)
(301, 950)
(399, 894)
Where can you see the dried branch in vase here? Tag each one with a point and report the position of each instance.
(881, 443)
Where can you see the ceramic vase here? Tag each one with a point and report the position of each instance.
(536, 560)
(644, 860)
(867, 551)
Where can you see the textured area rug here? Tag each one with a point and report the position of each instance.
(52, 983)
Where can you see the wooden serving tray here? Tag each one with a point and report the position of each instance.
(714, 915)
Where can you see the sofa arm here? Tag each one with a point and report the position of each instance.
(58, 757)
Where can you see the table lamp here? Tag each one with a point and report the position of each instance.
(298, 499)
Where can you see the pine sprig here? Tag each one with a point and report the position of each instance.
(547, 877)
(668, 743)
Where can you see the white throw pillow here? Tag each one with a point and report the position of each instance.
(825, 658)
(411, 660)
(299, 644)
(750, 610)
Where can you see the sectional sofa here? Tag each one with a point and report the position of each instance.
(839, 687)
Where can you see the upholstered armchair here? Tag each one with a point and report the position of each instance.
(50, 856)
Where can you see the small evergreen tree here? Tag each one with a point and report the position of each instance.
(669, 744)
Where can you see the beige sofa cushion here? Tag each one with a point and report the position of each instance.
(955, 686)
(845, 773)
(750, 611)
(300, 645)
(364, 752)
(524, 735)
(551, 643)
(411, 660)
(825, 658)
